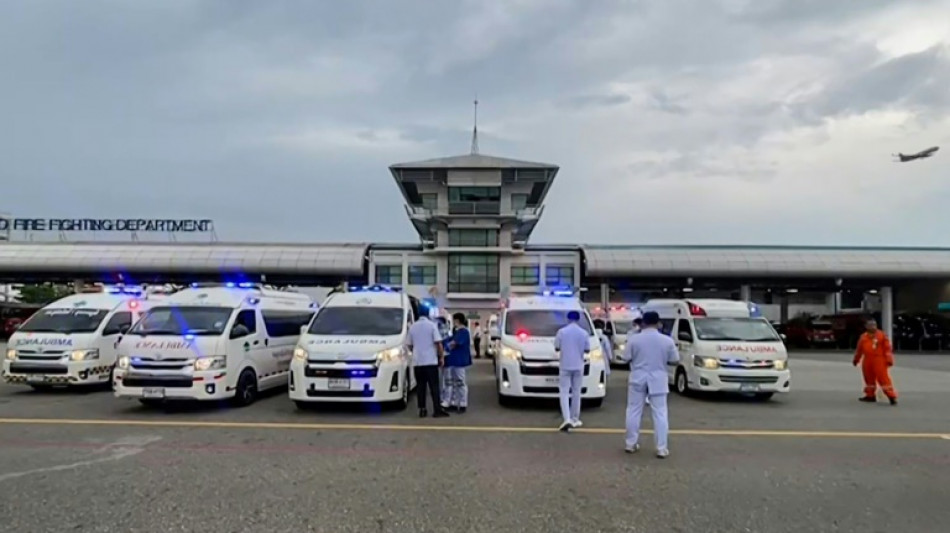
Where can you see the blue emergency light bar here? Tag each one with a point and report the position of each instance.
(229, 284)
(374, 288)
(754, 310)
(565, 292)
(124, 290)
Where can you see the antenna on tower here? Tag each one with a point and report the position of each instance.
(475, 129)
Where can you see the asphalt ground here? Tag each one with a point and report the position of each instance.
(812, 460)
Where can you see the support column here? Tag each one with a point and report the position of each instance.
(745, 293)
(887, 312)
(783, 305)
(78, 285)
(604, 296)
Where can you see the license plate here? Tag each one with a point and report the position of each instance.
(36, 379)
(152, 392)
(339, 384)
(552, 381)
(748, 387)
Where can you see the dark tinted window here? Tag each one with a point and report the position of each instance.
(735, 329)
(65, 321)
(122, 319)
(247, 319)
(285, 323)
(540, 323)
(198, 320)
(358, 321)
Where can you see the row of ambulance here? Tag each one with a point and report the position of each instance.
(232, 341)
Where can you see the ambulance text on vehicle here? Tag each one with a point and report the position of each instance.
(355, 349)
(527, 364)
(724, 346)
(212, 342)
(72, 341)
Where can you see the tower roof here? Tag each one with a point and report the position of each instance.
(473, 161)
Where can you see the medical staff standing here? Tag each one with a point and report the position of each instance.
(637, 327)
(607, 347)
(425, 341)
(571, 342)
(458, 359)
(649, 353)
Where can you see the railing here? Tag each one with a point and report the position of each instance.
(474, 208)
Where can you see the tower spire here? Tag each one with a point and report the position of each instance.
(475, 129)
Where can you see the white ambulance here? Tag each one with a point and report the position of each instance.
(212, 342)
(724, 346)
(355, 349)
(72, 341)
(617, 322)
(527, 365)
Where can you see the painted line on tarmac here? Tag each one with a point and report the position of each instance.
(449, 428)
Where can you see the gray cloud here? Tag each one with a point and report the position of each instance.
(278, 119)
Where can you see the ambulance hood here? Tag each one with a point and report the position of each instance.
(540, 347)
(43, 342)
(747, 351)
(344, 347)
(171, 347)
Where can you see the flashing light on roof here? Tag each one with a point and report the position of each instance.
(522, 334)
(696, 310)
(791, 291)
(133, 304)
(132, 291)
(253, 301)
(565, 292)
(373, 288)
(754, 310)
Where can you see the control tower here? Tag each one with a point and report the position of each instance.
(474, 213)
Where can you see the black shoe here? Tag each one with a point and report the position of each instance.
(440, 414)
(460, 410)
(893, 401)
(867, 399)
(423, 413)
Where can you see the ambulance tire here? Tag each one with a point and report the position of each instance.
(763, 396)
(681, 383)
(246, 391)
(506, 401)
(41, 388)
(304, 406)
(403, 402)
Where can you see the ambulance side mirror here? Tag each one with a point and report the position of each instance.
(303, 329)
(685, 336)
(783, 337)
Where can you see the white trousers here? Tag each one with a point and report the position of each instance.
(569, 391)
(456, 387)
(636, 397)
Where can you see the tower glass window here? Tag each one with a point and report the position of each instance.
(525, 275)
(389, 274)
(519, 201)
(473, 273)
(473, 237)
(558, 275)
(474, 200)
(430, 201)
(422, 274)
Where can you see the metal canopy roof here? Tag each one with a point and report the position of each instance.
(472, 161)
(766, 261)
(191, 258)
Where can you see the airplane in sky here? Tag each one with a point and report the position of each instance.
(919, 155)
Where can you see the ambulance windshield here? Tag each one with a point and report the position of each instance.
(197, 320)
(538, 323)
(358, 321)
(735, 329)
(64, 321)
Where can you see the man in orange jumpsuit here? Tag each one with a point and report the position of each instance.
(874, 349)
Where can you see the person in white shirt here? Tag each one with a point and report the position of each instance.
(649, 353)
(572, 342)
(477, 340)
(425, 342)
(607, 348)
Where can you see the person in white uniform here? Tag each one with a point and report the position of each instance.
(572, 342)
(605, 346)
(649, 353)
(637, 327)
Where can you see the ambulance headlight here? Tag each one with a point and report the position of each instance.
(84, 355)
(11, 354)
(211, 363)
(390, 355)
(709, 363)
(781, 364)
(510, 353)
(596, 355)
(621, 347)
(300, 354)
(124, 362)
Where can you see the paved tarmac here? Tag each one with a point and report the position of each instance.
(812, 460)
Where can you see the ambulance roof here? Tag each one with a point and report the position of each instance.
(701, 306)
(235, 297)
(99, 300)
(365, 299)
(558, 303)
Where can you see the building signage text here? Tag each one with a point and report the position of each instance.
(107, 224)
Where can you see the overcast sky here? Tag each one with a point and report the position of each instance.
(673, 121)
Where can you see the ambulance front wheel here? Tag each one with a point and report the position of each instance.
(41, 388)
(505, 401)
(246, 391)
(763, 396)
(681, 382)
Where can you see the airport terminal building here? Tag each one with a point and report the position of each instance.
(474, 215)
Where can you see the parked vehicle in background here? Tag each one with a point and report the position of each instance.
(12, 314)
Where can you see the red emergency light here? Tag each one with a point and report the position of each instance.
(133, 304)
(696, 310)
(522, 334)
